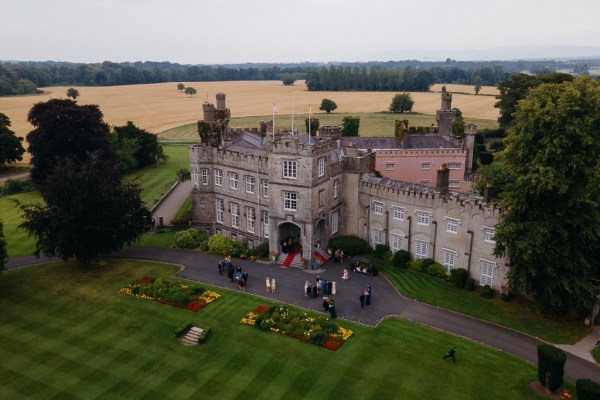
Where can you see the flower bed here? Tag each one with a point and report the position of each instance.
(189, 297)
(279, 319)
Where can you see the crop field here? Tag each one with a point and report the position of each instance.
(158, 107)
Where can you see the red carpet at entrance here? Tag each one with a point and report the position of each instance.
(290, 257)
(320, 258)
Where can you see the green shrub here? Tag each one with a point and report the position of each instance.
(486, 292)
(506, 296)
(401, 258)
(262, 250)
(459, 276)
(320, 338)
(13, 186)
(380, 250)
(182, 220)
(330, 328)
(188, 239)
(203, 245)
(350, 245)
(587, 389)
(388, 256)
(436, 270)
(203, 336)
(551, 362)
(220, 244)
(182, 330)
(427, 262)
(470, 284)
(417, 265)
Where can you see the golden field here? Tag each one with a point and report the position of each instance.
(158, 107)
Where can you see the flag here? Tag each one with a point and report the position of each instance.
(275, 108)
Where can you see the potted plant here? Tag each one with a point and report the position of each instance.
(303, 262)
(273, 255)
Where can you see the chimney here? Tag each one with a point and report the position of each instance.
(443, 177)
(487, 192)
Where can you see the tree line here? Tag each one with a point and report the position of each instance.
(26, 77)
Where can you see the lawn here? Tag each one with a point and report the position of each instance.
(371, 124)
(68, 334)
(514, 314)
(18, 242)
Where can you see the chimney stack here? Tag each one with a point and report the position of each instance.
(443, 178)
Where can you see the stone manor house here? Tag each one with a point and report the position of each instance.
(259, 185)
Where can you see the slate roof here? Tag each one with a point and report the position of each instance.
(429, 141)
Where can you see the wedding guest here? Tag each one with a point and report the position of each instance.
(307, 288)
(315, 291)
(333, 290)
(325, 304)
(273, 285)
(332, 312)
(268, 285)
(345, 277)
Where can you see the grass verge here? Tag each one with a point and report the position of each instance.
(69, 334)
(516, 315)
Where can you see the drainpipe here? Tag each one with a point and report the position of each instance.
(368, 212)
(435, 224)
(470, 251)
(409, 218)
(387, 227)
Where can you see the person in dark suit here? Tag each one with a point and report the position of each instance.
(450, 353)
(362, 300)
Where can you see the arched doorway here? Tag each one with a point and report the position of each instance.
(286, 231)
(320, 238)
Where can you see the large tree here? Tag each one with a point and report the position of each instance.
(63, 128)
(88, 210)
(551, 228)
(11, 149)
(328, 105)
(142, 145)
(402, 102)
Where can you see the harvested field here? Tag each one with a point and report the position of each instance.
(158, 107)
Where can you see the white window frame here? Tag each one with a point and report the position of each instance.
(335, 221)
(452, 225)
(249, 184)
(449, 259)
(421, 249)
(290, 201)
(265, 222)
(454, 165)
(396, 242)
(321, 167)
(250, 219)
(488, 234)
(219, 210)
(398, 213)
(377, 235)
(233, 180)
(378, 207)
(453, 184)
(204, 176)
(426, 165)
(423, 217)
(235, 215)
(335, 188)
(487, 272)
(218, 177)
(390, 166)
(290, 169)
(265, 187)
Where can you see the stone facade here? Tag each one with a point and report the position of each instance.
(259, 187)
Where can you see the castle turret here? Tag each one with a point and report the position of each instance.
(221, 101)
(469, 143)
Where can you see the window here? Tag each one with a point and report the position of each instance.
(424, 182)
(396, 241)
(425, 166)
(265, 221)
(335, 188)
(378, 207)
(449, 257)
(218, 177)
(321, 167)
(390, 166)
(290, 169)
(264, 187)
(205, 176)
(233, 180)
(249, 184)
(290, 201)
(235, 215)
(220, 210)
(421, 249)
(422, 218)
(454, 165)
(487, 272)
(453, 184)
(335, 221)
(377, 236)
(250, 219)
(321, 197)
(488, 235)
(399, 213)
(452, 225)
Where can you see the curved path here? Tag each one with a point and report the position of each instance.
(386, 301)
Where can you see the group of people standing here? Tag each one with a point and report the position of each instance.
(270, 285)
(236, 273)
(329, 306)
(321, 286)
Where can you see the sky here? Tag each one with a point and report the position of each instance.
(249, 31)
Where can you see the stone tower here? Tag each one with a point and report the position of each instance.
(469, 143)
(213, 128)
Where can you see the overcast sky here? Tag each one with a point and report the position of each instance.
(238, 31)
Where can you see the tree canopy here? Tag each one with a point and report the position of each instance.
(88, 210)
(11, 149)
(190, 91)
(551, 229)
(64, 128)
(73, 93)
(180, 86)
(328, 105)
(402, 102)
(135, 147)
